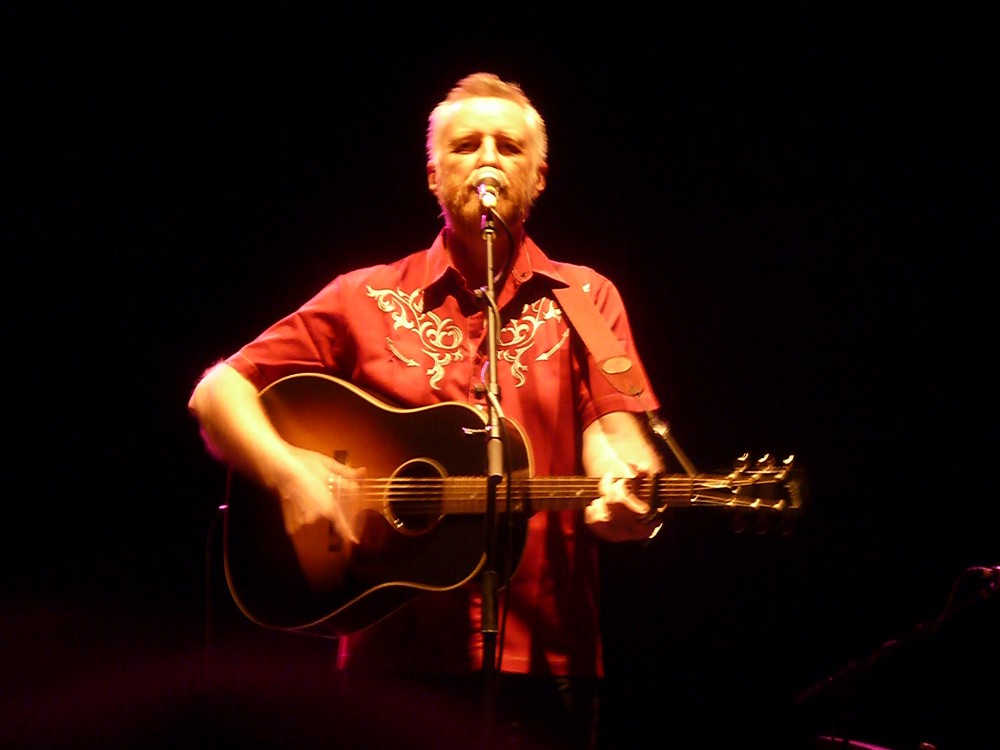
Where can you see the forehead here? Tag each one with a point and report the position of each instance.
(485, 115)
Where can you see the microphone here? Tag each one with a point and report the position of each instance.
(488, 187)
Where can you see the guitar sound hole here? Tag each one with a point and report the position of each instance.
(413, 499)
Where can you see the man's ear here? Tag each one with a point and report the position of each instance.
(543, 170)
(432, 182)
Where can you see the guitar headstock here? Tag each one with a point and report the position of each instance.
(764, 489)
(769, 472)
(778, 484)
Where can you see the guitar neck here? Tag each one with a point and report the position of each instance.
(469, 494)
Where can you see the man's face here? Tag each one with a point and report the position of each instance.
(486, 133)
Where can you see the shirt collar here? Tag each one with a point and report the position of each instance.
(441, 276)
(532, 261)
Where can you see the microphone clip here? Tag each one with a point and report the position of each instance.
(488, 188)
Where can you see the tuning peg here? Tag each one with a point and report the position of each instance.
(740, 466)
(766, 462)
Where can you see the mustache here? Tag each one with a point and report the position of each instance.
(489, 174)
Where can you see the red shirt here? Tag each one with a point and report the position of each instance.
(413, 334)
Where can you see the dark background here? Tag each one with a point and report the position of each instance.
(792, 203)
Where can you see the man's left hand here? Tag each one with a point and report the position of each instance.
(618, 515)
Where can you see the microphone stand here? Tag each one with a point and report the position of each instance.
(494, 476)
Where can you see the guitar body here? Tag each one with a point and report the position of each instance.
(313, 580)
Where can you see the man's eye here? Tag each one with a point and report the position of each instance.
(465, 147)
(509, 149)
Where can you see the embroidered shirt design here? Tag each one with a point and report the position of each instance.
(441, 339)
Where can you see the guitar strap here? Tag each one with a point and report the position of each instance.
(610, 355)
(607, 350)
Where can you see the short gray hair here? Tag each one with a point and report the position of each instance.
(487, 85)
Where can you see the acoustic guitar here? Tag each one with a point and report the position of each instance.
(419, 513)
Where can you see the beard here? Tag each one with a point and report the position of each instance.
(463, 211)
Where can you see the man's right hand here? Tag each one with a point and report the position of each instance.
(316, 487)
(236, 429)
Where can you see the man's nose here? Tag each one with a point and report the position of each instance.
(488, 151)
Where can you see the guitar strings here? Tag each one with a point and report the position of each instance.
(454, 494)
